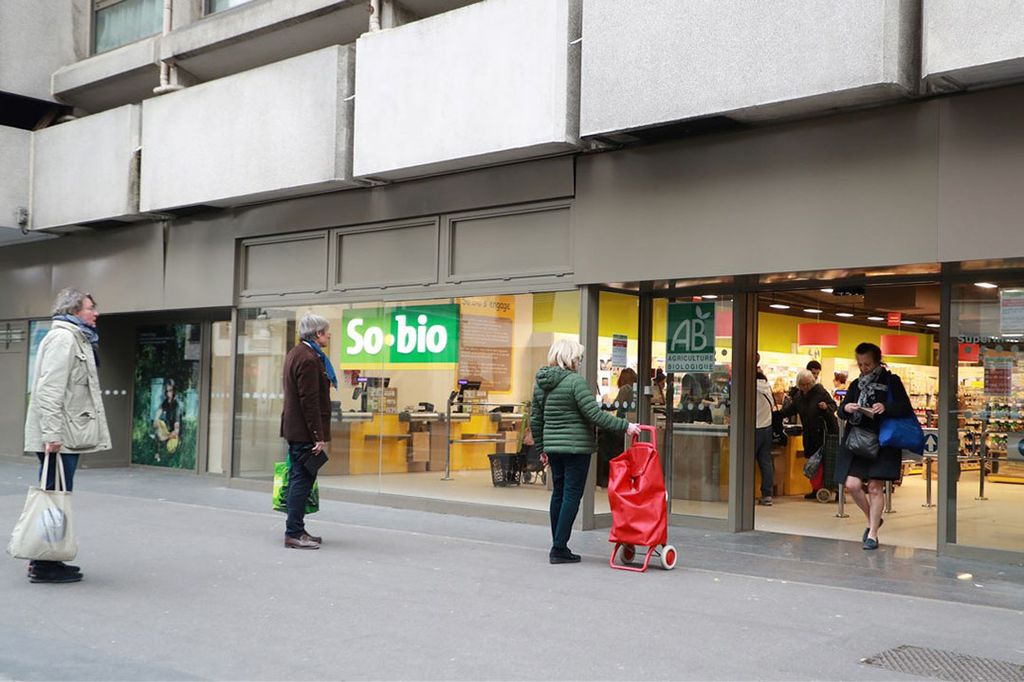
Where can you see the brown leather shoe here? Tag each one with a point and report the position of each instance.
(314, 538)
(303, 542)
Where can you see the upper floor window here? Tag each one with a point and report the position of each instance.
(220, 5)
(119, 22)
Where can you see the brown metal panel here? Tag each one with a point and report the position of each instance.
(851, 190)
(200, 265)
(293, 264)
(981, 175)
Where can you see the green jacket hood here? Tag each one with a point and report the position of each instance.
(549, 377)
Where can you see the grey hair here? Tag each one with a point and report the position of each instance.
(70, 301)
(310, 325)
(566, 353)
(805, 376)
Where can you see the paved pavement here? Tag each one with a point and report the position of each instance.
(188, 579)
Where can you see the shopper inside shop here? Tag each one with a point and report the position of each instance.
(876, 396)
(609, 445)
(817, 412)
(694, 399)
(763, 438)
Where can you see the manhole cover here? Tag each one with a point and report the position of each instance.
(946, 665)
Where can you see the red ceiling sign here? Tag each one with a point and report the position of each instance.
(894, 319)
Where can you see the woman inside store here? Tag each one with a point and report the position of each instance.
(875, 396)
(562, 420)
(609, 444)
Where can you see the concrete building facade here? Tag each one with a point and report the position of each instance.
(212, 170)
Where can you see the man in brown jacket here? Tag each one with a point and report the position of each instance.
(306, 420)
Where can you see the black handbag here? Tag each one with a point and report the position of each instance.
(862, 442)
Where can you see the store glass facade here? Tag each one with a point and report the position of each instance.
(432, 394)
(988, 336)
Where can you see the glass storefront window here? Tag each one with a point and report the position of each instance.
(697, 403)
(220, 398)
(399, 365)
(221, 5)
(988, 337)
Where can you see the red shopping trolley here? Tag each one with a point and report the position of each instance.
(636, 492)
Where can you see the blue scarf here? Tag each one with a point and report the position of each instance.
(331, 376)
(90, 333)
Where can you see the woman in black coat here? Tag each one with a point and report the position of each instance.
(876, 396)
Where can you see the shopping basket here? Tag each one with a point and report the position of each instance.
(639, 503)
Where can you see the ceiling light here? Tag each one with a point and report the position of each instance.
(813, 311)
(907, 322)
(828, 291)
(986, 285)
(934, 325)
(779, 306)
(876, 318)
(710, 297)
(1013, 336)
(844, 314)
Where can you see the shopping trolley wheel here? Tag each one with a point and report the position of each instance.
(668, 557)
(824, 495)
(627, 553)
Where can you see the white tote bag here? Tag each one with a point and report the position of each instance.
(45, 531)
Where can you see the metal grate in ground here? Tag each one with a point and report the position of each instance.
(946, 665)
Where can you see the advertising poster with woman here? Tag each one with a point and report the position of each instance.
(166, 410)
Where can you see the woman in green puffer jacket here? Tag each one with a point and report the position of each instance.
(562, 421)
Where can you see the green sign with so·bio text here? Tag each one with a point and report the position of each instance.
(410, 334)
(691, 337)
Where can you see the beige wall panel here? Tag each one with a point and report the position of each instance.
(522, 243)
(290, 265)
(387, 257)
(855, 190)
(499, 186)
(200, 266)
(981, 176)
(122, 267)
(25, 277)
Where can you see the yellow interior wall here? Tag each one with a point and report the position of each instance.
(778, 333)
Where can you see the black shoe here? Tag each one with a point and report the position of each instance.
(868, 530)
(811, 495)
(870, 543)
(60, 564)
(563, 556)
(54, 575)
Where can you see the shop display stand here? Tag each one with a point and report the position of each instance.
(492, 438)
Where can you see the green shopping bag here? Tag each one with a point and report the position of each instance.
(280, 497)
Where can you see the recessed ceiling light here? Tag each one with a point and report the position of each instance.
(1013, 336)
(779, 306)
(934, 325)
(828, 291)
(813, 311)
(907, 322)
(710, 297)
(986, 285)
(844, 314)
(876, 318)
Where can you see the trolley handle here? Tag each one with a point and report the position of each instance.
(650, 429)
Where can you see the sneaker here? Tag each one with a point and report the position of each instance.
(54, 575)
(301, 542)
(563, 556)
(765, 501)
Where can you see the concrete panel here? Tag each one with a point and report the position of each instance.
(123, 76)
(259, 33)
(123, 267)
(851, 191)
(200, 265)
(492, 82)
(15, 150)
(967, 43)
(981, 178)
(668, 61)
(275, 131)
(84, 170)
(36, 39)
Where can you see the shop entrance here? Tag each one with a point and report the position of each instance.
(806, 363)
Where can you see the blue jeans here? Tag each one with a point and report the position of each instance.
(568, 478)
(300, 483)
(763, 454)
(70, 464)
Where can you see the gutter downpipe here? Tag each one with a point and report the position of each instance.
(168, 71)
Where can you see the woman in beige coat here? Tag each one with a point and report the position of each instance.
(66, 414)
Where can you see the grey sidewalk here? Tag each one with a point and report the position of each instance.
(187, 579)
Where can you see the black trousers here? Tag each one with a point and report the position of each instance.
(300, 483)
